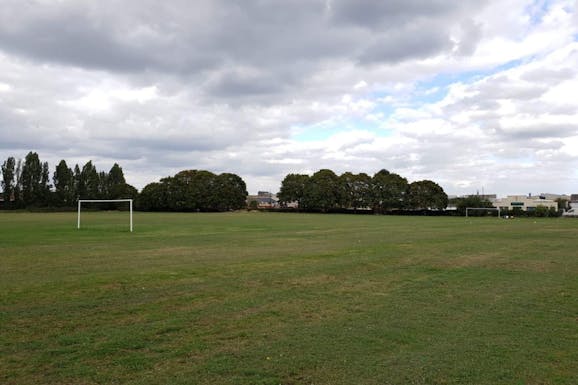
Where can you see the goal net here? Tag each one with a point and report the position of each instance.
(98, 201)
(481, 211)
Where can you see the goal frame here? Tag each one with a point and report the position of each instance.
(80, 201)
(484, 208)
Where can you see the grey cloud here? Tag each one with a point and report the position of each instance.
(547, 75)
(10, 129)
(24, 131)
(504, 88)
(471, 33)
(403, 45)
(391, 13)
(537, 107)
(173, 36)
(409, 29)
(354, 144)
(67, 41)
(186, 39)
(237, 85)
(100, 39)
(540, 130)
(128, 148)
(175, 145)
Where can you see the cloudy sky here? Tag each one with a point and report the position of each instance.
(475, 95)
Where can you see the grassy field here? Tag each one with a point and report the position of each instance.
(254, 298)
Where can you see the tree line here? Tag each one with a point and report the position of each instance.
(383, 192)
(194, 190)
(26, 183)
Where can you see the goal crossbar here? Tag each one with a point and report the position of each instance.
(81, 201)
(483, 208)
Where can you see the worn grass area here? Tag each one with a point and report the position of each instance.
(253, 298)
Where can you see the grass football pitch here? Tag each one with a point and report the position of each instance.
(256, 298)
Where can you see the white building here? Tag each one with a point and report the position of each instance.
(524, 203)
(264, 199)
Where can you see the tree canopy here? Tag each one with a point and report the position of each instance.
(384, 192)
(355, 190)
(427, 195)
(194, 190)
(293, 189)
(8, 182)
(322, 191)
(389, 191)
(27, 183)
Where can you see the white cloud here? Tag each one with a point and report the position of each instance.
(268, 90)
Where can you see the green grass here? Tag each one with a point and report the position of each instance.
(254, 298)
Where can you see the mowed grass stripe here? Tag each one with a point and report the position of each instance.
(253, 298)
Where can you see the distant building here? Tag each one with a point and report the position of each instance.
(555, 196)
(524, 203)
(264, 199)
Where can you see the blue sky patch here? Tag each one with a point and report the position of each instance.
(537, 10)
(320, 132)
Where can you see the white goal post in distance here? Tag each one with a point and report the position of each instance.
(483, 208)
(80, 201)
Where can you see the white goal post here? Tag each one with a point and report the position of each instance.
(483, 208)
(80, 201)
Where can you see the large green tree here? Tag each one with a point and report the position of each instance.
(90, 182)
(31, 180)
(79, 185)
(194, 190)
(426, 194)
(116, 184)
(293, 189)
(389, 191)
(63, 179)
(103, 186)
(355, 190)
(44, 193)
(322, 191)
(18, 200)
(230, 192)
(154, 197)
(8, 181)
